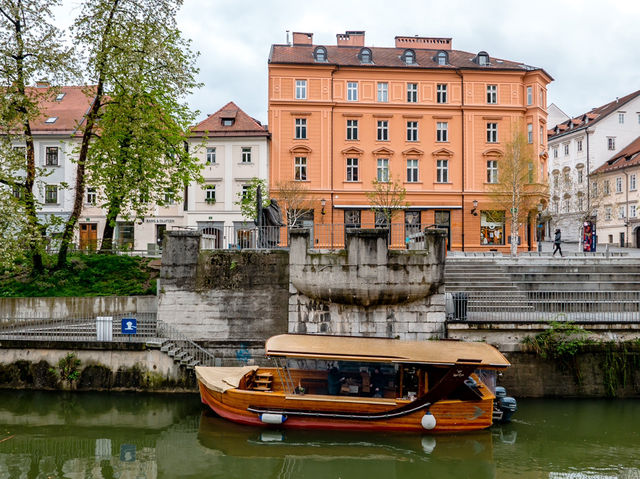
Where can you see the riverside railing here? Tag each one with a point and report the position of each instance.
(185, 348)
(544, 306)
(101, 328)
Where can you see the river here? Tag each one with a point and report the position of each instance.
(107, 435)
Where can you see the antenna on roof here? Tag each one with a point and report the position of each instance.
(288, 42)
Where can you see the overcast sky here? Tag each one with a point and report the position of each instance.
(590, 47)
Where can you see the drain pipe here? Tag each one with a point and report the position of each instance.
(463, 159)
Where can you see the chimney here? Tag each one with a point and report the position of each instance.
(43, 84)
(351, 39)
(300, 38)
(426, 43)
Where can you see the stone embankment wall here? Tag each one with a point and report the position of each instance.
(103, 366)
(223, 295)
(367, 289)
(76, 307)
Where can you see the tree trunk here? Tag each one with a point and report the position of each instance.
(92, 117)
(107, 233)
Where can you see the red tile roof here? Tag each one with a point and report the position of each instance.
(628, 156)
(387, 57)
(590, 117)
(69, 111)
(243, 124)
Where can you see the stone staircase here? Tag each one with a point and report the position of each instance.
(183, 351)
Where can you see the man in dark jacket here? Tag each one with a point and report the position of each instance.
(556, 243)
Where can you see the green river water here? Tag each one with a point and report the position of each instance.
(102, 435)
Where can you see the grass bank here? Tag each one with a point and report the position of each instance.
(85, 275)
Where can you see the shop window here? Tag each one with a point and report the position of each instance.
(492, 227)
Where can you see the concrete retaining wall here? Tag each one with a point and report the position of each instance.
(119, 366)
(223, 295)
(76, 307)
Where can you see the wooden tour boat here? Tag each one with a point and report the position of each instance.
(339, 382)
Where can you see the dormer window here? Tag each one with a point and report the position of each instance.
(482, 59)
(320, 54)
(60, 96)
(442, 58)
(365, 56)
(227, 122)
(51, 119)
(409, 57)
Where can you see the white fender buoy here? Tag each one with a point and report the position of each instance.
(428, 421)
(268, 418)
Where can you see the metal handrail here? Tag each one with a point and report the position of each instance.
(199, 355)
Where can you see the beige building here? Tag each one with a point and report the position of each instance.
(615, 187)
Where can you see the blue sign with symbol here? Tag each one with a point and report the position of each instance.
(128, 452)
(129, 326)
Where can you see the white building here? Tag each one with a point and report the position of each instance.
(233, 147)
(577, 147)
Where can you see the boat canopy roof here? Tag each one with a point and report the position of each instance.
(350, 348)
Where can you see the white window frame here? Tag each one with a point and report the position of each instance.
(442, 131)
(300, 168)
(412, 130)
(352, 91)
(352, 169)
(632, 211)
(621, 212)
(492, 132)
(352, 130)
(566, 149)
(632, 182)
(611, 143)
(492, 94)
(579, 145)
(51, 196)
(441, 93)
(382, 131)
(246, 154)
(530, 133)
(211, 155)
(529, 95)
(442, 171)
(555, 152)
(607, 213)
(621, 118)
(92, 196)
(301, 129)
(210, 194)
(382, 175)
(412, 93)
(619, 184)
(56, 162)
(492, 171)
(301, 89)
(412, 170)
(383, 92)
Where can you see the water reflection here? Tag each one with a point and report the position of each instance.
(101, 435)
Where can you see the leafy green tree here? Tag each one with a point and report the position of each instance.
(248, 198)
(30, 47)
(141, 67)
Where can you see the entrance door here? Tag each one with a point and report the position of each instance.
(88, 236)
(443, 220)
(637, 237)
(160, 229)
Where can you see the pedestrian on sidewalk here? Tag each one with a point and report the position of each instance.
(556, 243)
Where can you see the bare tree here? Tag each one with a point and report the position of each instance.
(519, 187)
(294, 198)
(387, 198)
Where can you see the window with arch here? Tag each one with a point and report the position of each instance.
(365, 56)
(482, 59)
(442, 58)
(320, 54)
(409, 57)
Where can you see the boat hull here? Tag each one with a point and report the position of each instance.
(301, 411)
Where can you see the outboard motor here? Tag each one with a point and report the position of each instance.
(504, 406)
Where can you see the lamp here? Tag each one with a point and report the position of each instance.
(475, 207)
(323, 203)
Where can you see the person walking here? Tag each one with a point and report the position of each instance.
(556, 243)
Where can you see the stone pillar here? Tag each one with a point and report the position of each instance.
(180, 259)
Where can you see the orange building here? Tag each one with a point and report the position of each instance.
(436, 119)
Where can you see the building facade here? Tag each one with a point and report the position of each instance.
(433, 118)
(577, 147)
(233, 149)
(618, 221)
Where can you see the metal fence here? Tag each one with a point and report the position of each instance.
(324, 236)
(101, 328)
(544, 306)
